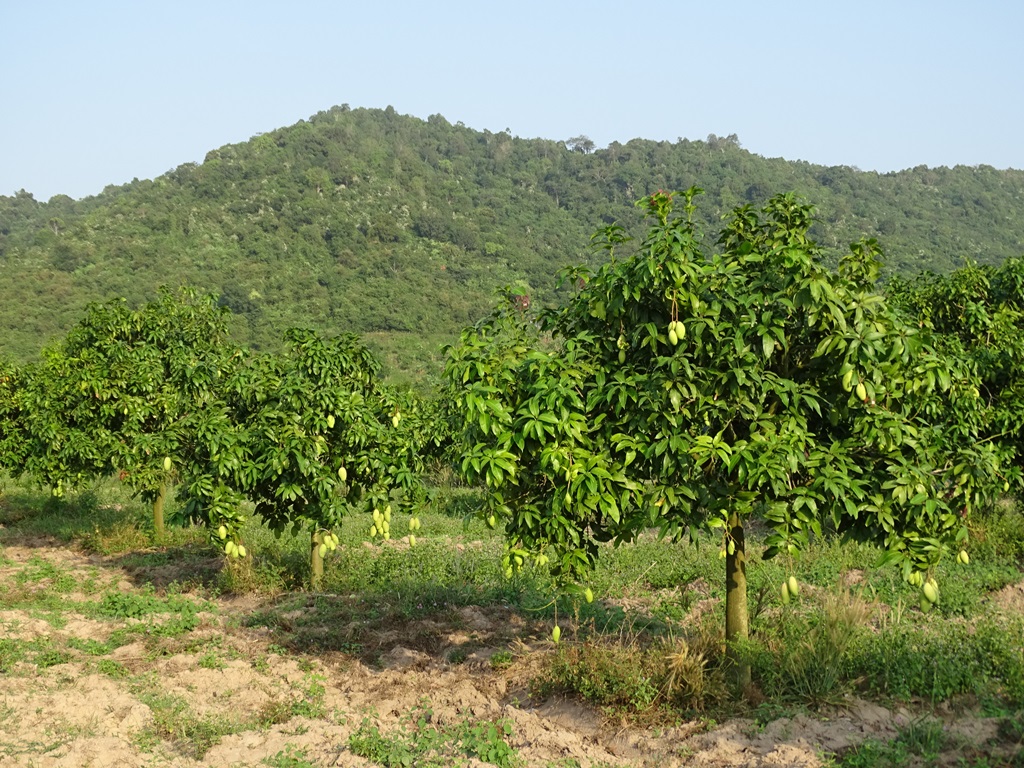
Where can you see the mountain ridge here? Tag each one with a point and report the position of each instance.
(403, 229)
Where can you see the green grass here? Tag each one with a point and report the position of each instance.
(102, 517)
(921, 741)
(289, 757)
(854, 629)
(173, 721)
(940, 659)
(41, 652)
(422, 743)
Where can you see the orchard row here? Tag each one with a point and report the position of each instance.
(687, 385)
(158, 397)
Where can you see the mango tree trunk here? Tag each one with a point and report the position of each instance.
(316, 563)
(158, 512)
(736, 618)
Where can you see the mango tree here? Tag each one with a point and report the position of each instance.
(978, 312)
(59, 444)
(13, 437)
(685, 389)
(308, 436)
(120, 391)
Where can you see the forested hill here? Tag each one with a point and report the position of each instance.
(402, 229)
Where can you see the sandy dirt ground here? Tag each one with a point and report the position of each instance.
(225, 686)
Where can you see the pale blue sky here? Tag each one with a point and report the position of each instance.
(96, 92)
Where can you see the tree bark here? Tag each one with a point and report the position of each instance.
(316, 563)
(737, 629)
(158, 512)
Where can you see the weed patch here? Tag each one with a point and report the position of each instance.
(191, 735)
(289, 757)
(616, 677)
(424, 744)
(923, 739)
(136, 605)
(42, 652)
(938, 660)
(805, 656)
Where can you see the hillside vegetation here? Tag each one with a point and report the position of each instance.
(402, 230)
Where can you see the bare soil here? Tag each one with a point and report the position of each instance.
(223, 694)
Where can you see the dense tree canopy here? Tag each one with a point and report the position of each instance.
(684, 388)
(120, 393)
(401, 229)
(977, 312)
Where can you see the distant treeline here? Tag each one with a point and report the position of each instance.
(403, 230)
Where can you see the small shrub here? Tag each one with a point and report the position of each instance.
(607, 673)
(502, 660)
(486, 741)
(311, 703)
(289, 757)
(807, 658)
(370, 743)
(686, 675)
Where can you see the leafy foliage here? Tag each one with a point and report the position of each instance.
(120, 394)
(792, 393)
(978, 312)
(305, 434)
(157, 395)
(400, 229)
(685, 390)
